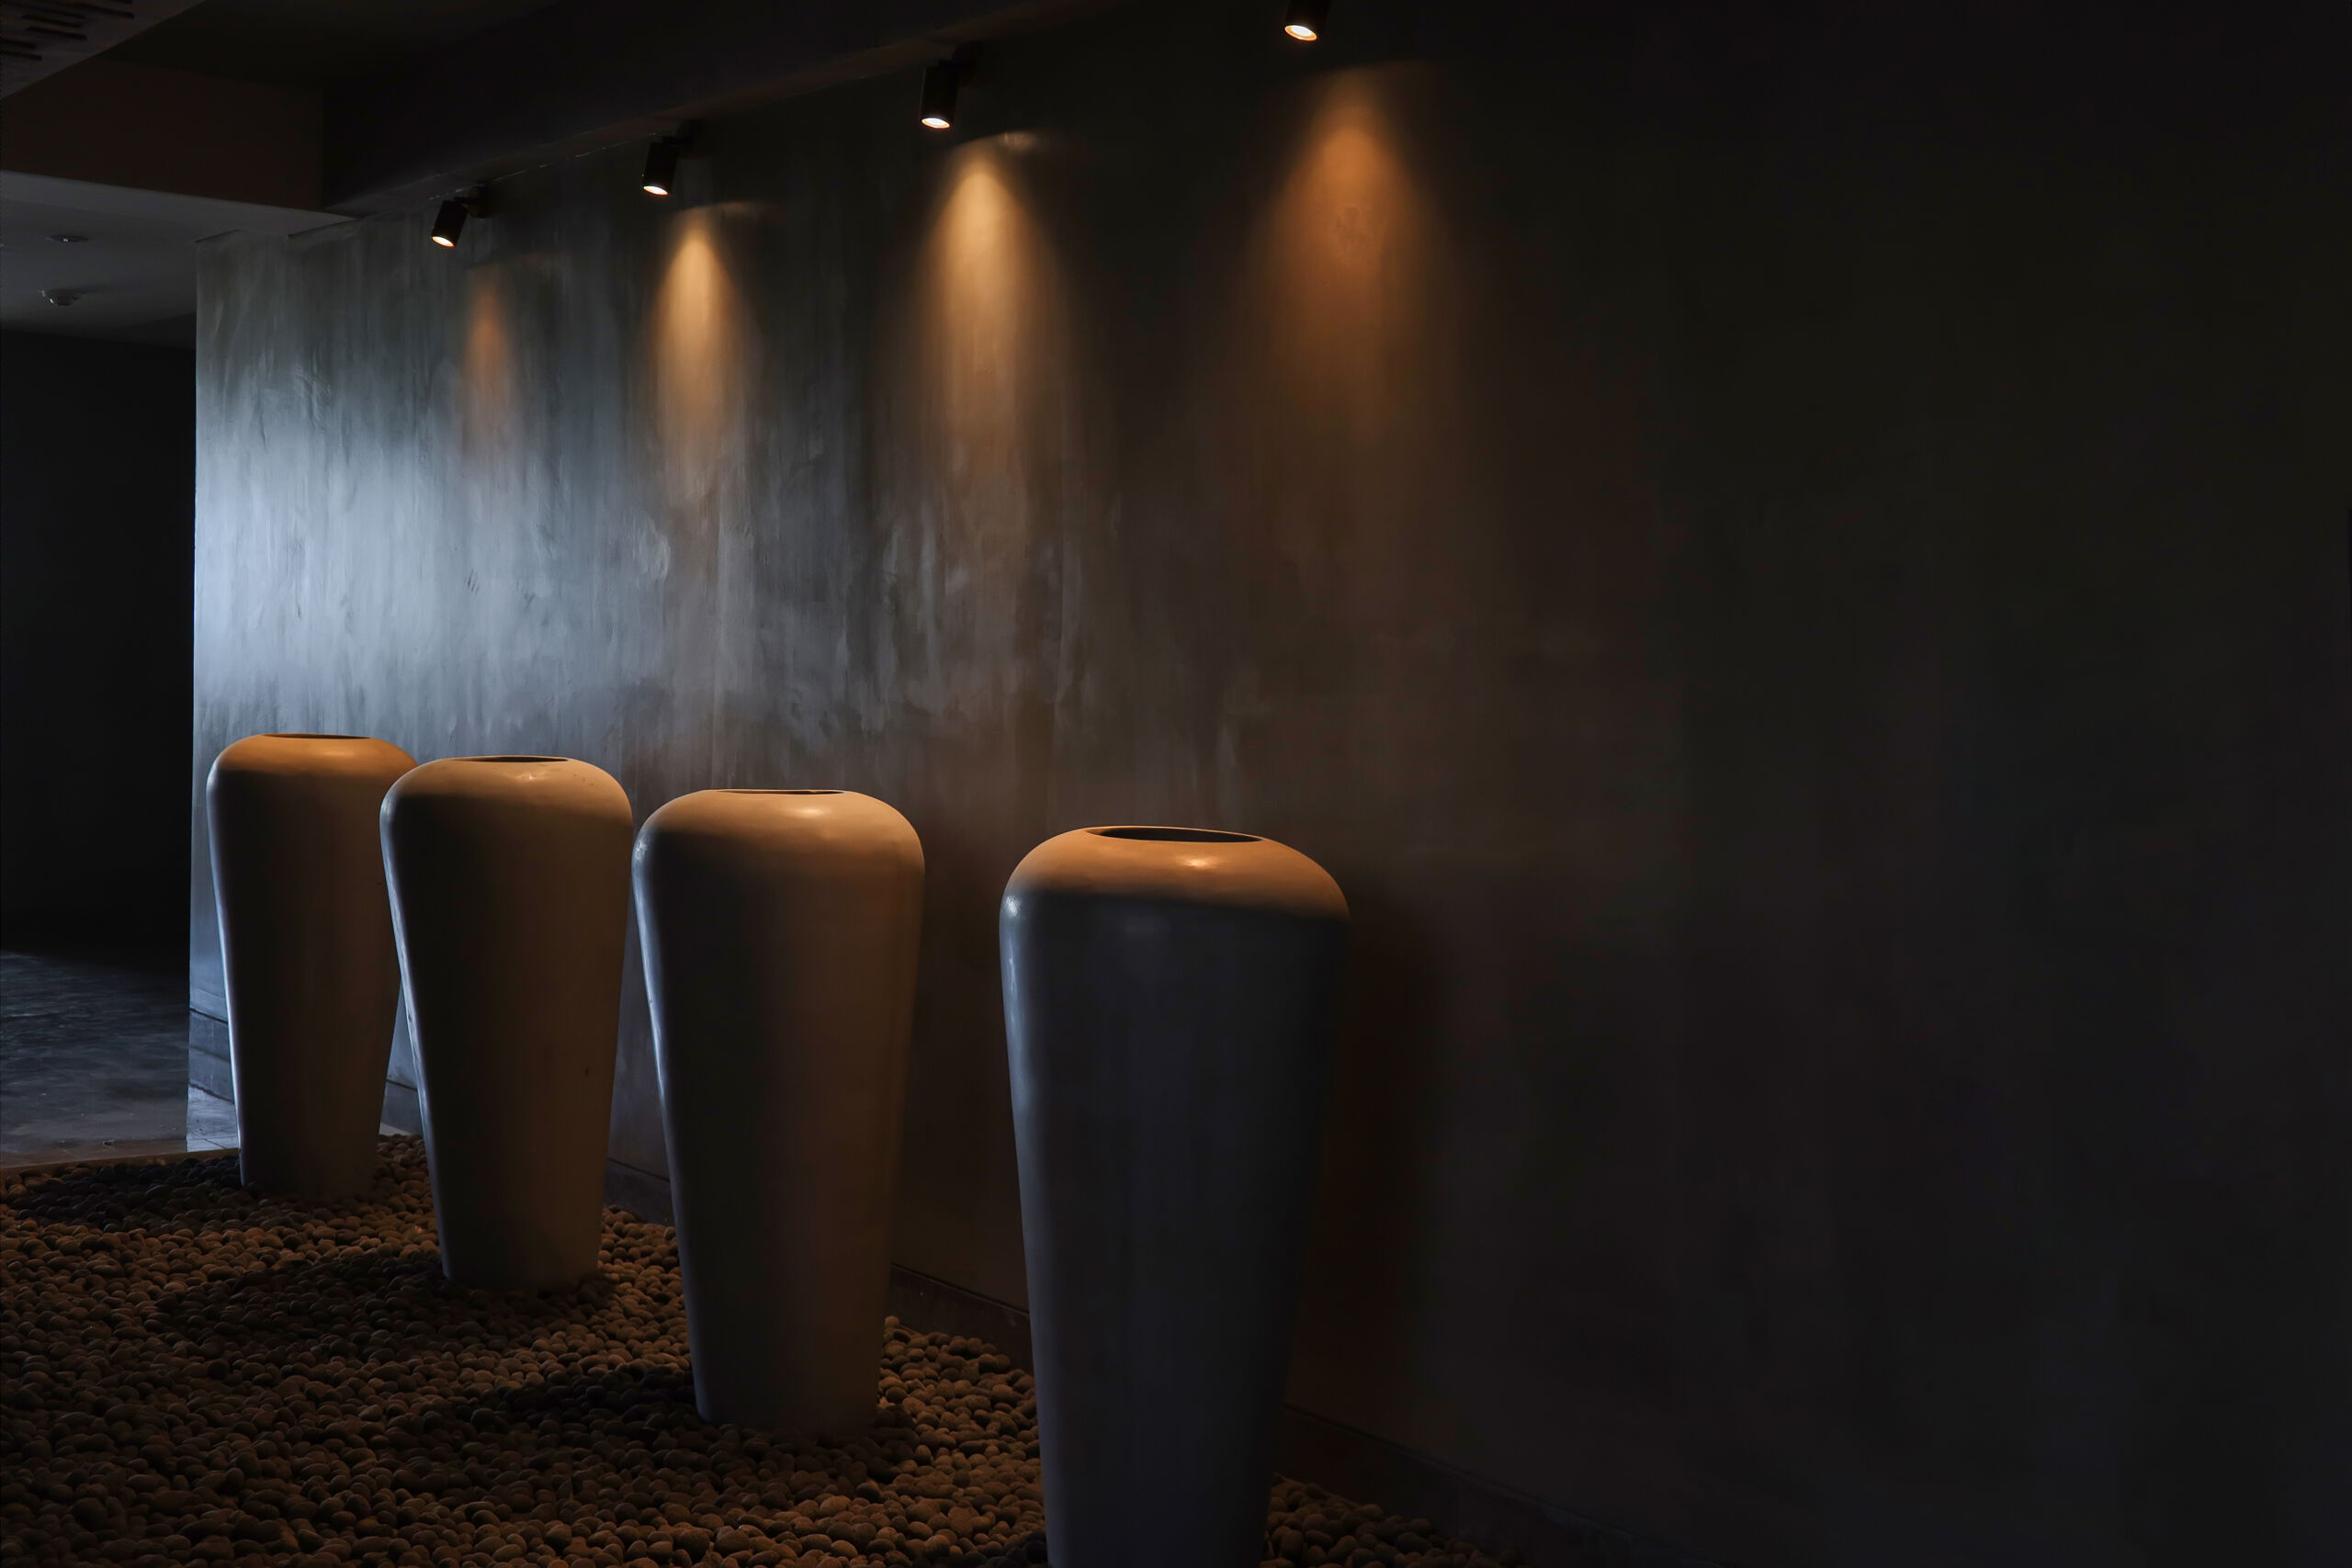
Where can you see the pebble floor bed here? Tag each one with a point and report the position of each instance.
(193, 1375)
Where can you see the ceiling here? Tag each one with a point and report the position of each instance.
(134, 265)
(309, 43)
(39, 38)
(372, 106)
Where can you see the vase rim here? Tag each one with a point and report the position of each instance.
(512, 758)
(1178, 835)
(309, 735)
(739, 789)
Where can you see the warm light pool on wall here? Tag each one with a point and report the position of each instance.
(942, 81)
(1306, 18)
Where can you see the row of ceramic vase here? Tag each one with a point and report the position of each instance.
(1169, 997)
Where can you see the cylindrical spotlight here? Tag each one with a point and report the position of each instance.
(661, 165)
(449, 224)
(939, 87)
(1305, 19)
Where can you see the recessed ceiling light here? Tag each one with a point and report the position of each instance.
(60, 296)
(71, 239)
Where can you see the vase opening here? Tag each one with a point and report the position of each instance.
(1178, 835)
(780, 792)
(311, 735)
(515, 758)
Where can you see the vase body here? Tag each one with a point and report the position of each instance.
(1168, 1000)
(510, 897)
(306, 954)
(780, 930)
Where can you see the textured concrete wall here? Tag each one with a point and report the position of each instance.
(97, 482)
(1793, 569)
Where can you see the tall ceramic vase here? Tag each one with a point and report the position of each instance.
(306, 947)
(1168, 1000)
(510, 895)
(780, 929)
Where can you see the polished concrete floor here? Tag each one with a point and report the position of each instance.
(94, 1063)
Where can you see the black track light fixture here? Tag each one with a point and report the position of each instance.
(942, 81)
(1306, 18)
(450, 222)
(661, 166)
(661, 158)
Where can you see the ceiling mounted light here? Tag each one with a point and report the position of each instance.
(942, 81)
(661, 158)
(450, 222)
(60, 296)
(1305, 19)
(71, 239)
(661, 166)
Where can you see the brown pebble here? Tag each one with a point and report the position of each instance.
(195, 1373)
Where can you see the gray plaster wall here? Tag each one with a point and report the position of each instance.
(1793, 567)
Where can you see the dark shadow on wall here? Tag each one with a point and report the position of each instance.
(97, 520)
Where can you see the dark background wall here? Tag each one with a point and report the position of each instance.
(97, 486)
(1793, 565)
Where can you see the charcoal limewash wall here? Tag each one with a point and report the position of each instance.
(1793, 568)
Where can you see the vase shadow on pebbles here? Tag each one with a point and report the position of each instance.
(193, 1373)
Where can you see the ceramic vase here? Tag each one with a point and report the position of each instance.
(510, 897)
(306, 952)
(780, 930)
(1169, 997)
